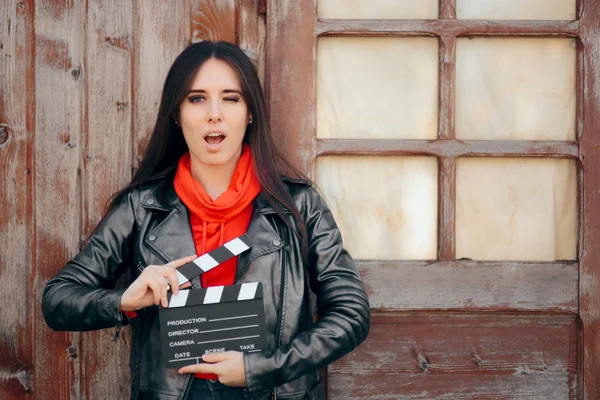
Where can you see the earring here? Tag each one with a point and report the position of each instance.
(176, 122)
(250, 120)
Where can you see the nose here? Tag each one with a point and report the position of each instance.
(214, 113)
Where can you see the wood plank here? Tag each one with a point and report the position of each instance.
(162, 31)
(252, 33)
(214, 20)
(291, 79)
(447, 209)
(461, 356)
(447, 87)
(446, 28)
(471, 285)
(447, 9)
(590, 165)
(16, 124)
(446, 148)
(107, 148)
(446, 131)
(59, 119)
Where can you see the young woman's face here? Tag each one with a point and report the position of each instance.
(214, 115)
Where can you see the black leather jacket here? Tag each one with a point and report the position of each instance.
(151, 227)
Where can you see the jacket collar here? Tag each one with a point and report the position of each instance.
(164, 198)
(173, 239)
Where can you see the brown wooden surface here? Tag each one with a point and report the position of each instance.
(252, 34)
(291, 83)
(471, 285)
(59, 121)
(550, 290)
(446, 131)
(78, 98)
(16, 307)
(162, 31)
(590, 163)
(446, 148)
(213, 20)
(447, 88)
(461, 356)
(447, 9)
(80, 86)
(106, 149)
(446, 28)
(446, 209)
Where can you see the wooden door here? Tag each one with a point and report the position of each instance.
(456, 142)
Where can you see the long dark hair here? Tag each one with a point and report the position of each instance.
(167, 144)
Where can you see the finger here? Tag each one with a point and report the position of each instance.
(217, 357)
(162, 289)
(171, 276)
(199, 369)
(185, 285)
(154, 285)
(163, 295)
(181, 261)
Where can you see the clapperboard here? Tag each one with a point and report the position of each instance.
(208, 261)
(215, 319)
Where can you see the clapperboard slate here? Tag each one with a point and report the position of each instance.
(212, 320)
(215, 319)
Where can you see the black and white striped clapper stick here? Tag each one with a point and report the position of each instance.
(215, 294)
(212, 320)
(208, 261)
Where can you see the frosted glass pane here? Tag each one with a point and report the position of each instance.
(386, 207)
(378, 9)
(515, 88)
(516, 9)
(377, 88)
(516, 209)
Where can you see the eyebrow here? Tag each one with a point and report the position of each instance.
(224, 91)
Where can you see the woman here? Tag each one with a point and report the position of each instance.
(209, 175)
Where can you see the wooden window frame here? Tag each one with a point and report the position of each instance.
(292, 34)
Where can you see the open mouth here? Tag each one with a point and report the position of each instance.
(214, 138)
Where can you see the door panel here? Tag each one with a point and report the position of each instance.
(456, 356)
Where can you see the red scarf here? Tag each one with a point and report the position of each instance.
(215, 222)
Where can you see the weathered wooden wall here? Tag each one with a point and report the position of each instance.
(80, 85)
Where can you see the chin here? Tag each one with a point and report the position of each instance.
(216, 159)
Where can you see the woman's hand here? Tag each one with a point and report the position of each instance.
(228, 366)
(150, 288)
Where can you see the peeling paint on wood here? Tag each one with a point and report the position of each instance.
(471, 285)
(291, 83)
(214, 20)
(162, 31)
(108, 147)
(16, 330)
(252, 35)
(461, 356)
(447, 148)
(590, 164)
(447, 9)
(60, 115)
(447, 209)
(447, 28)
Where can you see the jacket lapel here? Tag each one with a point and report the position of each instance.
(263, 238)
(173, 239)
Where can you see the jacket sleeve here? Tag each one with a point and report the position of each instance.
(82, 295)
(343, 307)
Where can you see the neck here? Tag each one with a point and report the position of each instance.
(215, 179)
